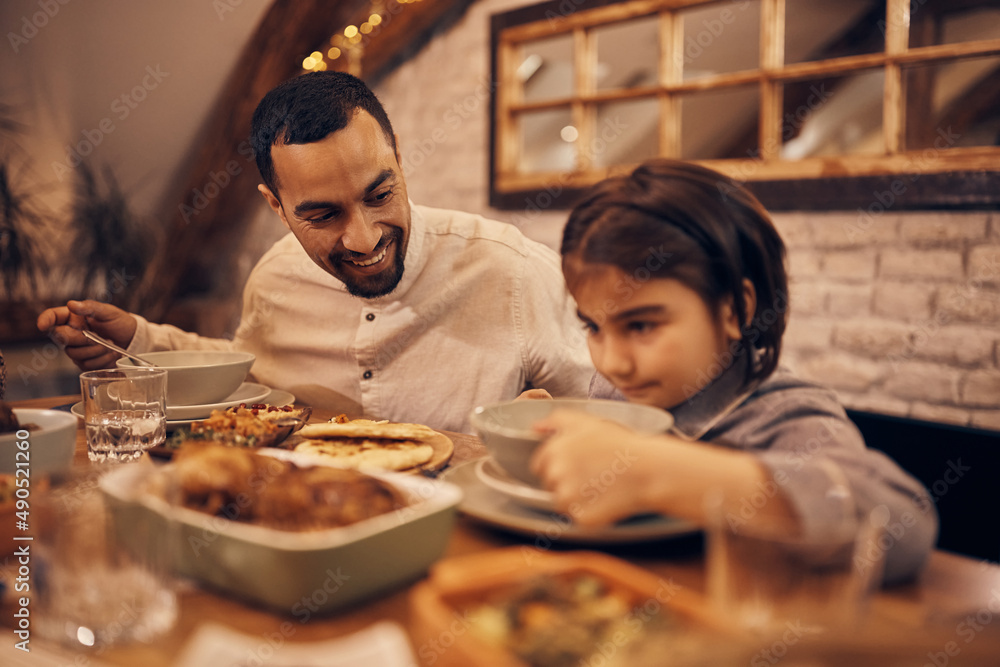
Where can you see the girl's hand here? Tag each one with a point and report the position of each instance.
(598, 471)
(534, 395)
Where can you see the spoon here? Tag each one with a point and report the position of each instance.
(111, 346)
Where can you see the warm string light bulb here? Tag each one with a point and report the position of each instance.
(346, 40)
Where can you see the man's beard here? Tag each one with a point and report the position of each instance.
(383, 283)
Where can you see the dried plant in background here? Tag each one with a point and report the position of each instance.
(112, 246)
(22, 221)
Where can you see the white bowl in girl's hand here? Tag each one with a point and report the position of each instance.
(506, 428)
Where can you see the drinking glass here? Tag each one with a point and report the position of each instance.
(124, 412)
(768, 580)
(98, 582)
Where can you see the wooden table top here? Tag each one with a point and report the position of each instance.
(951, 613)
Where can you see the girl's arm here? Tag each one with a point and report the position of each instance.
(600, 472)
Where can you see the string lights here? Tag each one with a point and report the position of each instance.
(349, 44)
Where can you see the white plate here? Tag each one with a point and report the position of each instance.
(255, 393)
(492, 475)
(500, 510)
(248, 392)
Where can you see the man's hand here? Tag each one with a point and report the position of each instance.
(64, 323)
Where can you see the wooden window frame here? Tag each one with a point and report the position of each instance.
(955, 178)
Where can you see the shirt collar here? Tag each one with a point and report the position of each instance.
(696, 416)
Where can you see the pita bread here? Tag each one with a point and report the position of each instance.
(365, 428)
(369, 454)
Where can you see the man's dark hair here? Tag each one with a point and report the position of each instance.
(307, 109)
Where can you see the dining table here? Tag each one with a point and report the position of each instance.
(949, 615)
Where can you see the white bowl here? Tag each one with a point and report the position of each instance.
(506, 428)
(199, 377)
(45, 449)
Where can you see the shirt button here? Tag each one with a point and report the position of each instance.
(367, 375)
(370, 316)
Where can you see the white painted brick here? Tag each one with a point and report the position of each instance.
(807, 334)
(853, 229)
(939, 228)
(903, 301)
(876, 338)
(956, 345)
(872, 402)
(922, 381)
(968, 304)
(921, 264)
(794, 229)
(984, 265)
(849, 300)
(849, 264)
(803, 264)
(940, 413)
(841, 371)
(807, 298)
(987, 419)
(982, 388)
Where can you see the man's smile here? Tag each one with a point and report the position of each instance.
(375, 259)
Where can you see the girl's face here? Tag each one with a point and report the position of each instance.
(657, 341)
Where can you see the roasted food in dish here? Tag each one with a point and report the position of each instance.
(242, 485)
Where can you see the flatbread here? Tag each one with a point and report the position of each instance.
(369, 454)
(365, 428)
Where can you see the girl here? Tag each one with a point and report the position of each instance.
(679, 278)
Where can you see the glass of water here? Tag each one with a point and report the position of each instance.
(124, 412)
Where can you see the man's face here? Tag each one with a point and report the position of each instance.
(344, 199)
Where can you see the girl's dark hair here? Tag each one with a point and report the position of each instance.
(307, 108)
(672, 219)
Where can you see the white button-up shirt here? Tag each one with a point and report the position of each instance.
(480, 314)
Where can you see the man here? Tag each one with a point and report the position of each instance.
(372, 305)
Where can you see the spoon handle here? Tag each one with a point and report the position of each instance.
(111, 346)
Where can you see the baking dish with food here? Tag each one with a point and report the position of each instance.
(523, 606)
(297, 573)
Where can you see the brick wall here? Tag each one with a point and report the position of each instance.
(898, 312)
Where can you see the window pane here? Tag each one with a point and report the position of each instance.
(720, 124)
(543, 147)
(546, 69)
(954, 24)
(722, 37)
(820, 29)
(833, 116)
(627, 132)
(953, 104)
(627, 54)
